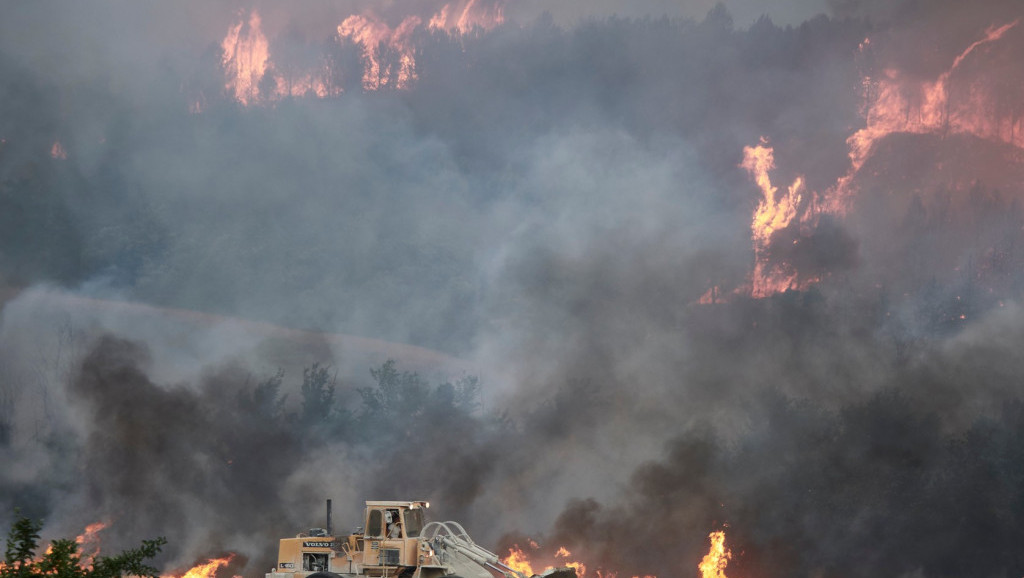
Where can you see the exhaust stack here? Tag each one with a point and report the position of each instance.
(330, 531)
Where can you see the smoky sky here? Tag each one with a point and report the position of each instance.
(548, 231)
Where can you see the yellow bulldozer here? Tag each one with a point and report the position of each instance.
(394, 542)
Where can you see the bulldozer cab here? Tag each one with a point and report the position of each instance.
(394, 520)
(391, 536)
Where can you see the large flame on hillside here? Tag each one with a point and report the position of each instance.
(250, 72)
(386, 51)
(245, 53)
(895, 105)
(471, 14)
(891, 106)
(774, 212)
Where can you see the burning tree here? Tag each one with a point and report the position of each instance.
(62, 558)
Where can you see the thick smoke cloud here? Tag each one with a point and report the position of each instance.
(554, 206)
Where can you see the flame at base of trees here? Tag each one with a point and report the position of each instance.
(387, 53)
(250, 74)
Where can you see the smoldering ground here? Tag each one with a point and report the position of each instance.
(549, 202)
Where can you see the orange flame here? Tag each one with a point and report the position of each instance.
(894, 105)
(205, 570)
(518, 560)
(245, 55)
(388, 53)
(89, 540)
(581, 570)
(247, 64)
(377, 38)
(89, 536)
(474, 14)
(711, 296)
(774, 212)
(714, 563)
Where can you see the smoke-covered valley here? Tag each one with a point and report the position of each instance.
(598, 278)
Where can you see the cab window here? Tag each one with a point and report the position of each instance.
(394, 521)
(375, 525)
(413, 522)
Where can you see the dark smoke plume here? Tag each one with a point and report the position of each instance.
(549, 230)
